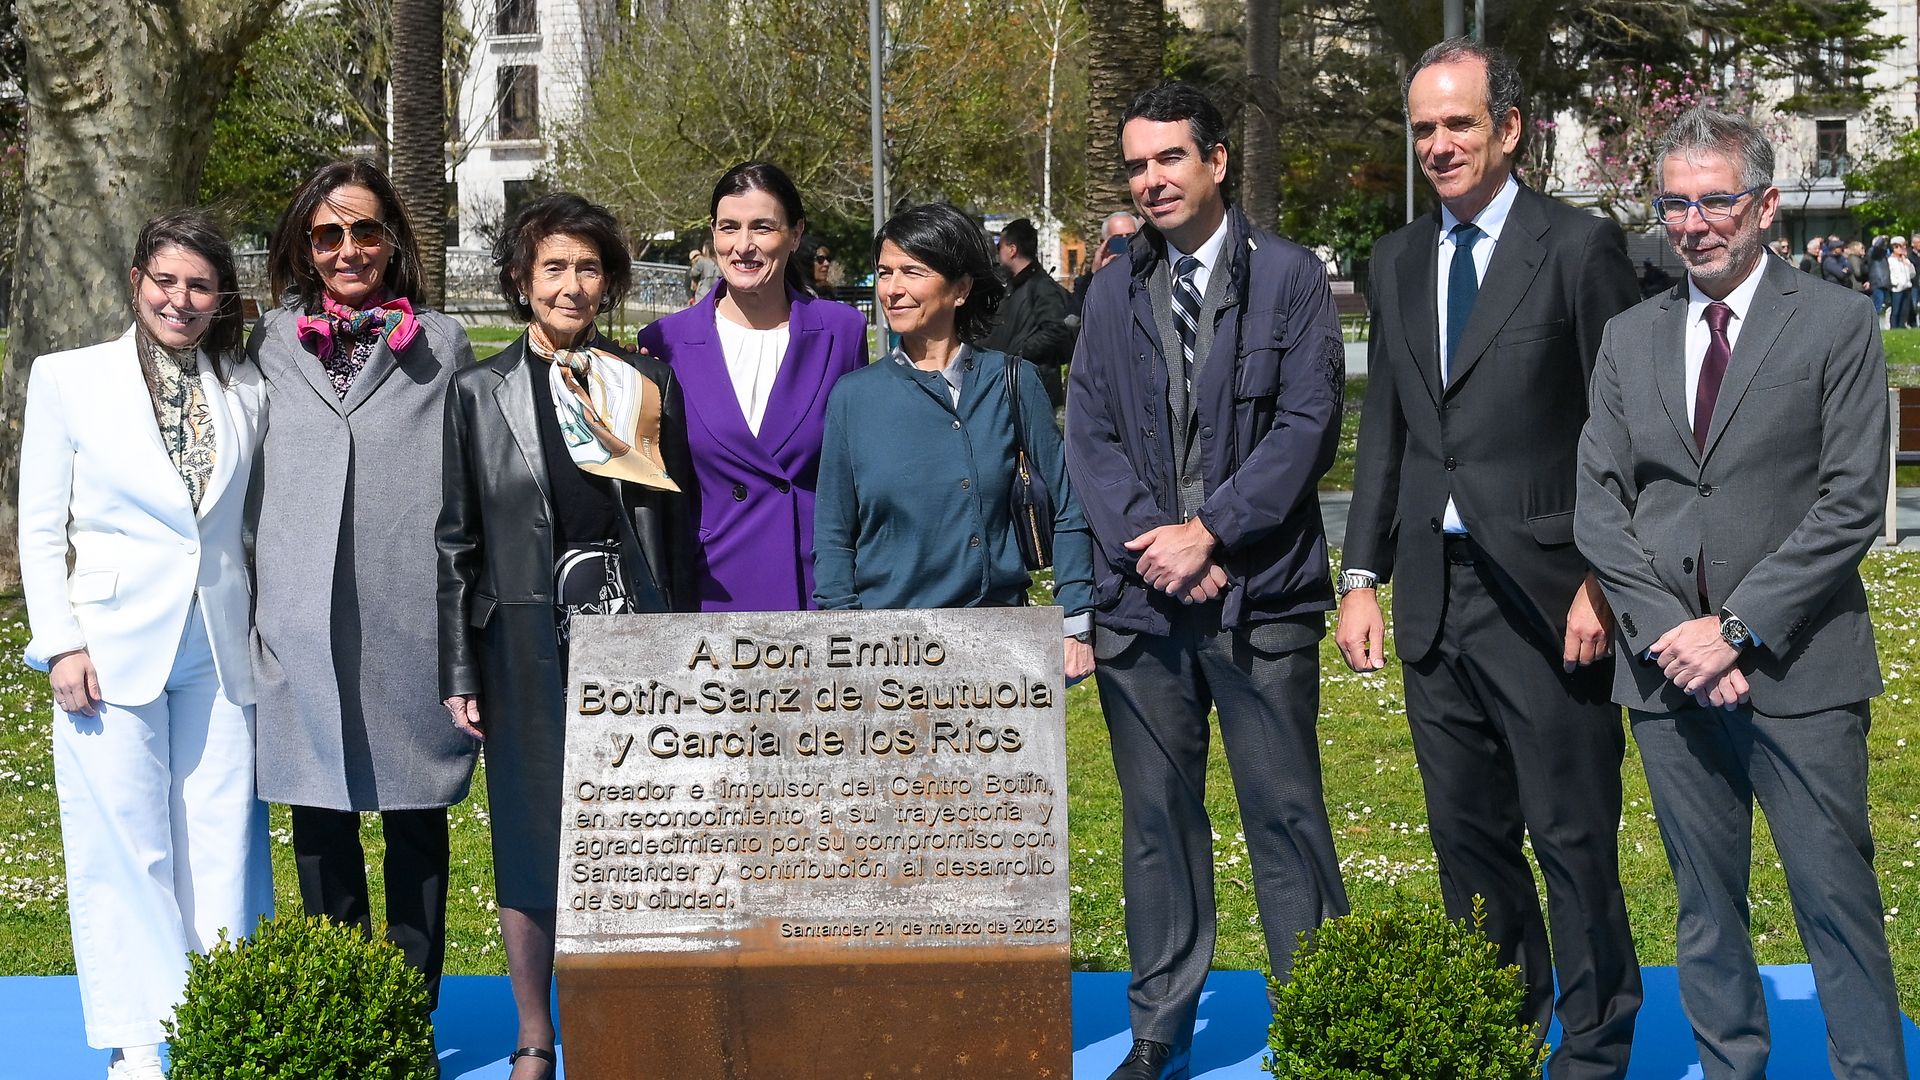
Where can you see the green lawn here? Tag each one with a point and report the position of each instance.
(1373, 795)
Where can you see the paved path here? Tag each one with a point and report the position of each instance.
(1333, 510)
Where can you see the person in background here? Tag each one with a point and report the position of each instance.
(919, 456)
(1810, 262)
(1913, 259)
(1880, 278)
(345, 568)
(1032, 321)
(537, 528)
(822, 272)
(135, 458)
(1899, 287)
(1120, 224)
(702, 272)
(1834, 265)
(1856, 256)
(756, 360)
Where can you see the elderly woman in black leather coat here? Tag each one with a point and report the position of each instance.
(564, 462)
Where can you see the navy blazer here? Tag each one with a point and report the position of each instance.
(1268, 404)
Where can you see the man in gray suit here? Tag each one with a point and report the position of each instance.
(1733, 473)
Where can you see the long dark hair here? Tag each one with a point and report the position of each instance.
(772, 179)
(560, 214)
(954, 246)
(290, 266)
(192, 231)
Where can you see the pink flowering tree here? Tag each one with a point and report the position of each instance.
(1626, 115)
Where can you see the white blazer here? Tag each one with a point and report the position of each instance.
(96, 481)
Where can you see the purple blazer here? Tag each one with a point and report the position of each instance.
(756, 492)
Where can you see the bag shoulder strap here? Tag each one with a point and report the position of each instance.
(1013, 404)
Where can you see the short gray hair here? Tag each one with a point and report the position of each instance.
(1702, 128)
(1503, 79)
(1106, 223)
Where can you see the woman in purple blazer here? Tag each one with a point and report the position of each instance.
(756, 358)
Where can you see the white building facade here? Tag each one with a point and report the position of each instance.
(525, 73)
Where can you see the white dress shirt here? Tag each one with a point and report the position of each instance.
(1208, 254)
(1491, 219)
(753, 363)
(1700, 335)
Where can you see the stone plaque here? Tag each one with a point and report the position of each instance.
(816, 844)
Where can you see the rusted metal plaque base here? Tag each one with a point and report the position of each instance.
(939, 1014)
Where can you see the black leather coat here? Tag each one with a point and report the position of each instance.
(495, 534)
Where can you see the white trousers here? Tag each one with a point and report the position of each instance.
(165, 843)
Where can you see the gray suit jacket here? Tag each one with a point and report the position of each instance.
(1784, 502)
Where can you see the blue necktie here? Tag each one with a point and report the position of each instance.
(1463, 287)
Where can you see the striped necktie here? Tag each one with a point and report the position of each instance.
(1186, 310)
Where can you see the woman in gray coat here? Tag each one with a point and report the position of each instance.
(347, 490)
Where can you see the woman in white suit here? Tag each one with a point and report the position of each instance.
(135, 461)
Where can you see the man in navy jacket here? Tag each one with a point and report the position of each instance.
(1203, 407)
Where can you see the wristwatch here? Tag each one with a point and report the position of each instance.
(1734, 632)
(1084, 637)
(1350, 580)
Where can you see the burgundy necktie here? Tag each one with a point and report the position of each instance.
(1712, 370)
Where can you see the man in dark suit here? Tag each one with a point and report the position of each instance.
(1204, 407)
(1486, 316)
(1732, 476)
(1032, 321)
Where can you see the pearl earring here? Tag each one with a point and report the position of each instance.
(523, 299)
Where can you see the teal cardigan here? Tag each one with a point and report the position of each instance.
(911, 510)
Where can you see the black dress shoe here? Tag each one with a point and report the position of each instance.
(1149, 1060)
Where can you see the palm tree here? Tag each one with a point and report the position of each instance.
(1260, 148)
(1125, 42)
(419, 153)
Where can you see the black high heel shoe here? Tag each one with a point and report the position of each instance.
(534, 1052)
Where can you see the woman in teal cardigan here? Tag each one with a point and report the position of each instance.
(912, 508)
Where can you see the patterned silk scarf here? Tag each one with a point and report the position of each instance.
(609, 413)
(343, 338)
(180, 408)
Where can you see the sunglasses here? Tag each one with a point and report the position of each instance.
(823, 258)
(366, 233)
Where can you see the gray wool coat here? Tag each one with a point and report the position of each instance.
(345, 654)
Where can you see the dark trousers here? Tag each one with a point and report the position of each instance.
(1705, 768)
(333, 879)
(1511, 746)
(1156, 692)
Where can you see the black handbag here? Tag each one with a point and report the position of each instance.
(1029, 499)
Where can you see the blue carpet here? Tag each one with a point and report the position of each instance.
(40, 1026)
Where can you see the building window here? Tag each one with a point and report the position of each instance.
(1830, 148)
(515, 194)
(519, 96)
(516, 17)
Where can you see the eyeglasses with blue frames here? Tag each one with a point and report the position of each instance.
(1672, 209)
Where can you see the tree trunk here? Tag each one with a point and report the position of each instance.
(1124, 48)
(1260, 152)
(420, 132)
(120, 104)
